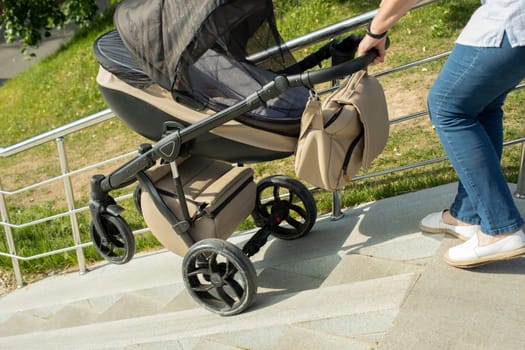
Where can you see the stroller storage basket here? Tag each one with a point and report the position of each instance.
(218, 195)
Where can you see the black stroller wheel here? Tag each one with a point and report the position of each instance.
(285, 191)
(120, 246)
(219, 276)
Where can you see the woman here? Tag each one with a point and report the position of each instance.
(465, 106)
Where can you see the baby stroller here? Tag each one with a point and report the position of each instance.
(212, 85)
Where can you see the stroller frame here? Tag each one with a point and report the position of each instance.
(104, 209)
(218, 275)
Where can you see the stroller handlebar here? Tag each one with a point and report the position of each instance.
(309, 79)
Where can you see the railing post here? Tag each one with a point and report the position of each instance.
(71, 204)
(520, 186)
(336, 206)
(10, 241)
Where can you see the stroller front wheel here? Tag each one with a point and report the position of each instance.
(119, 247)
(219, 276)
(281, 191)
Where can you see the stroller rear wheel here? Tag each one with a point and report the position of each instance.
(219, 276)
(283, 191)
(119, 247)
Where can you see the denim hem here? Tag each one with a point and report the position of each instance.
(466, 220)
(506, 229)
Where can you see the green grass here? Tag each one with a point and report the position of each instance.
(62, 88)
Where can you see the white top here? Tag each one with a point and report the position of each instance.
(492, 20)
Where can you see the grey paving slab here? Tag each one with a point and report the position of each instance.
(73, 315)
(368, 328)
(286, 337)
(450, 308)
(131, 305)
(356, 267)
(20, 323)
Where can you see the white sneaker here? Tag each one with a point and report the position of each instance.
(433, 223)
(471, 254)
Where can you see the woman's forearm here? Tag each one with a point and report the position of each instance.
(390, 11)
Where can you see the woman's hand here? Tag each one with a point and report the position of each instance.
(368, 43)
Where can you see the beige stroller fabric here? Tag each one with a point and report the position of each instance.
(219, 198)
(232, 130)
(343, 133)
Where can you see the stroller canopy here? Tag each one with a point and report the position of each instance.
(165, 37)
(197, 49)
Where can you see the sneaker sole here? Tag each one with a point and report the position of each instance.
(467, 264)
(441, 230)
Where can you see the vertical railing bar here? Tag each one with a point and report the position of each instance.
(336, 206)
(520, 185)
(70, 199)
(10, 241)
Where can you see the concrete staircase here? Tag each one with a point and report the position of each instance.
(356, 283)
(348, 316)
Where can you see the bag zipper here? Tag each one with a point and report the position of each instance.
(350, 151)
(333, 118)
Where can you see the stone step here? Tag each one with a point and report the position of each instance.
(308, 315)
(275, 277)
(99, 309)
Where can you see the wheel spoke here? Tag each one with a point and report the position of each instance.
(298, 210)
(203, 288)
(276, 193)
(106, 250)
(293, 222)
(118, 243)
(224, 296)
(291, 197)
(212, 267)
(201, 271)
(235, 287)
(265, 209)
(231, 270)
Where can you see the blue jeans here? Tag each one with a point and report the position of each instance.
(465, 106)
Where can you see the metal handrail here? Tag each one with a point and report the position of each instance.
(69, 174)
(323, 34)
(56, 133)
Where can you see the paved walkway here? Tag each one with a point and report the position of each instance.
(370, 280)
(12, 62)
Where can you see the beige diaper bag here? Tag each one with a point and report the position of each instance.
(342, 133)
